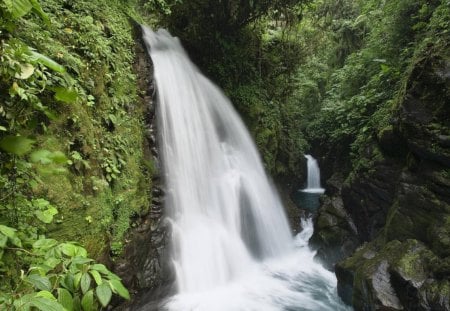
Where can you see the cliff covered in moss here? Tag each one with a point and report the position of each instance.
(385, 220)
(76, 159)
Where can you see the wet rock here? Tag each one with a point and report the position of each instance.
(157, 200)
(154, 151)
(335, 236)
(156, 192)
(143, 265)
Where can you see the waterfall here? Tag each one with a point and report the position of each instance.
(313, 181)
(231, 245)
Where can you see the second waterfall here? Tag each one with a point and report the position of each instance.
(231, 246)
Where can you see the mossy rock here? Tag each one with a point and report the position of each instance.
(393, 276)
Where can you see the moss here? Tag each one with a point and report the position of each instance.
(411, 261)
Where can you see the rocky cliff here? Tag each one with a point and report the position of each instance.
(143, 266)
(388, 227)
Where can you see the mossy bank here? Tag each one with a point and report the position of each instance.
(82, 115)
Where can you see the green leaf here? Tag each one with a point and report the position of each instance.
(52, 262)
(18, 8)
(69, 249)
(65, 299)
(2, 128)
(41, 203)
(38, 9)
(77, 280)
(68, 282)
(46, 294)
(23, 303)
(72, 250)
(76, 303)
(3, 240)
(104, 294)
(17, 145)
(47, 215)
(81, 260)
(41, 269)
(85, 282)
(87, 303)
(8, 231)
(58, 157)
(16, 241)
(100, 268)
(65, 95)
(96, 276)
(384, 68)
(48, 62)
(11, 234)
(45, 304)
(39, 282)
(118, 288)
(44, 244)
(42, 156)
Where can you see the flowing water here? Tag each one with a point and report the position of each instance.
(232, 248)
(313, 181)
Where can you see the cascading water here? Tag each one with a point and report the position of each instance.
(313, 181)
(231, 244)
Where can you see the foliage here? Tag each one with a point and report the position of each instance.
(363, 51)
(69, 118)
(59, 277)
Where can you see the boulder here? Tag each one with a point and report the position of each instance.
(335, 235)
(393, 276)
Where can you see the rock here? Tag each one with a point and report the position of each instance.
(143, 265)
(365, 283)
(381, 284)
(367, 198)
(334, 184)
(156, 192)
(397, 195)
(394, 276)
(444, 140)
(334, 235)
(154, 151)
(391, 141)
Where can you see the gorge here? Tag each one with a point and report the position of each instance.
(132, 179)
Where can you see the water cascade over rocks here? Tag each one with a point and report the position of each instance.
(231, 245)
(313, 181)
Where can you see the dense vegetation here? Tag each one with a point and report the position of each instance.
(309, 71)
(71, 159)
(328, 76)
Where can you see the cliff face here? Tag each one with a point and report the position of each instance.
(143, 265)
(398, 211)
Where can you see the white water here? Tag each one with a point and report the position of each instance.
(231, 243)
(313, 181)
